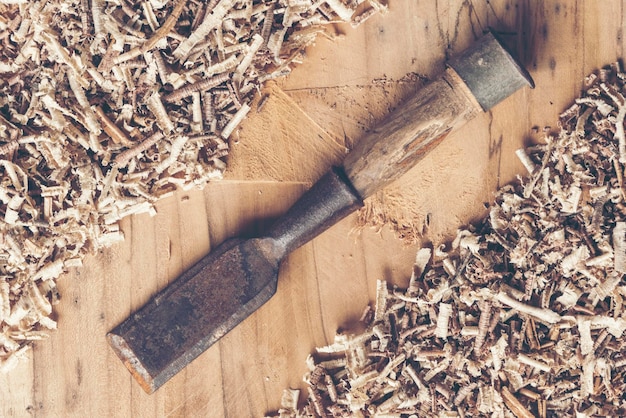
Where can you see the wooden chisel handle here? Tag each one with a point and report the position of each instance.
(409, 133)
(475, 81)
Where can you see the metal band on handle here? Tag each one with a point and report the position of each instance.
(490, 71)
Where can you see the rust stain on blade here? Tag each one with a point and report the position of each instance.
(131, 362)
(195, 311)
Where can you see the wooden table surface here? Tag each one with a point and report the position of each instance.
(342, 89)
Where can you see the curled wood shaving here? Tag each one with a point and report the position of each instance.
(533, 322)
(107, 106)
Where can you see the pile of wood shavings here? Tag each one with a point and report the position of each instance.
(523, 315)
(107, 106)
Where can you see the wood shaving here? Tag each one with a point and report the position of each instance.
(532, 297)
(108, 106)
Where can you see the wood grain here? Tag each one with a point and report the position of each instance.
(344, 88)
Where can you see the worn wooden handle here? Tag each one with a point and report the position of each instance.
(409, 133)
(477, 79)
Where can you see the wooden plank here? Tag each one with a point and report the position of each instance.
(343, 89)
(602, 34)
(16, 395)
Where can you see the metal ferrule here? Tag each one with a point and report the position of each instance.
(331, 199)
(490, 71)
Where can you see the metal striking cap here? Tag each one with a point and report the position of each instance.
(490, 71)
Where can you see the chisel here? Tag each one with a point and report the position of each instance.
(239, 276)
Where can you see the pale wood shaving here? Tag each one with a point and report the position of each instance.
(108, 106)
(534, 324)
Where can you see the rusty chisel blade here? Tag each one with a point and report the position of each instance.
(196, 310)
